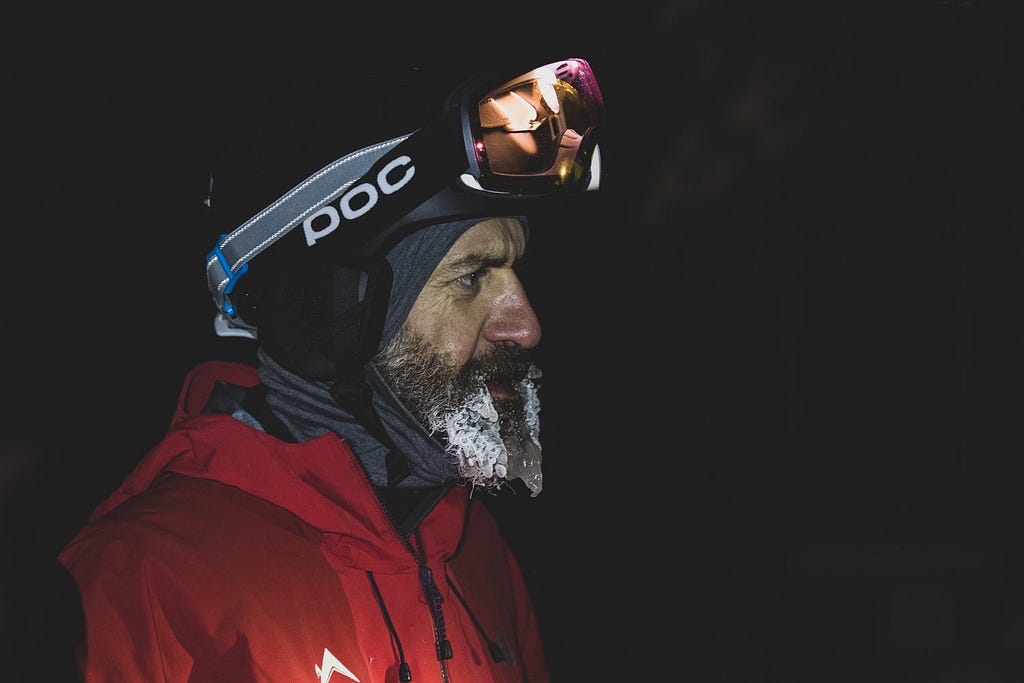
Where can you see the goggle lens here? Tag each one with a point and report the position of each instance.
(538, 129)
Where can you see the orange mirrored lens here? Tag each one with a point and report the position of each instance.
(536, 124)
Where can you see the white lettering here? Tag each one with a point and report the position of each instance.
(345, 202)
(313, 235)
(382, 179)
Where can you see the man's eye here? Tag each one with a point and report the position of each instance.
(470, 280)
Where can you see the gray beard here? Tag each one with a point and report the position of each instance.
(489, 444)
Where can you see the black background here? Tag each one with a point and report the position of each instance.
(783, 347)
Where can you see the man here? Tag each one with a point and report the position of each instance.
(314, 518)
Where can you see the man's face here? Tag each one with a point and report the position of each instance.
(461, 361)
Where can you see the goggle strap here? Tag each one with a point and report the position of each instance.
(434, 162)
(235, 250)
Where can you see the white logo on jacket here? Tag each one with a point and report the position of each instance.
(330, 665)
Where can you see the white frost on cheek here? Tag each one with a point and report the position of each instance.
(475, 439)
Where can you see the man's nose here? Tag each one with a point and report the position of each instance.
(512, 318)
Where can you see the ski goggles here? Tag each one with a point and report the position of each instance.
(537, 131)
(502, 146)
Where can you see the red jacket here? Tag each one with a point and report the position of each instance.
(229, 555)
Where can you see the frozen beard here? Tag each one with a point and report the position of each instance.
(491, 439)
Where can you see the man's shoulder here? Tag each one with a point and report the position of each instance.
(180, 518)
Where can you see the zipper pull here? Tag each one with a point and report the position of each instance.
(434, 597)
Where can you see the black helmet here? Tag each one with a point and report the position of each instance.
(508, 140)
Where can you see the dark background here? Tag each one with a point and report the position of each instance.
(783, 348)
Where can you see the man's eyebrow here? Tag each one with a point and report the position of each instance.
(475, 261)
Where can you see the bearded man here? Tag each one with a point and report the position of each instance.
(316, 516)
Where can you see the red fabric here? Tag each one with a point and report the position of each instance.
(228, 555)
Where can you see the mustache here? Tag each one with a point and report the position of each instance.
(501, 364)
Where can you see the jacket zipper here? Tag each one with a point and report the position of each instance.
(443, 647)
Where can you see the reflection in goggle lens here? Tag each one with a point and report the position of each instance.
(536, 124)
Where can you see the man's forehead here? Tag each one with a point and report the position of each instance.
(491, 238)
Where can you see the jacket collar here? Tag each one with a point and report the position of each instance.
(320, 481)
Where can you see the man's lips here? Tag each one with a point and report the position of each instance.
(501, 390)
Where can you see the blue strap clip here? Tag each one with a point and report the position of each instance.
(233, 277)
